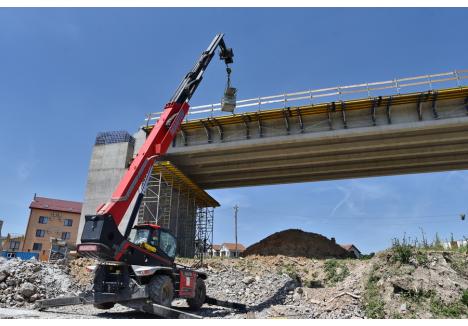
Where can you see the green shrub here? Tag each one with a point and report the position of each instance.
(311, 283)
(451, 310)
(335, 271)
(421, 257)
(402, 250)
(464, 298)
(291, 271)
(373, 303)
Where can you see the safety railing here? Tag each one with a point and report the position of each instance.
(394, 86)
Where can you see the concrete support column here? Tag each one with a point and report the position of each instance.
(110, 159)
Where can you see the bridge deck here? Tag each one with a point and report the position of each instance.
(388, 135)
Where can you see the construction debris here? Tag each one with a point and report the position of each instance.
(297, 243)
(24, 282)
(429, 285)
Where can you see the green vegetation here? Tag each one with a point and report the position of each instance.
(450, 310)
(311, 283)
(464, 298)
(418, 296)
(402, 250)
(368, 256)
(311, 280)
(291, 271)
(373, 303)
(335, 271)
(437, 307)
(421, 258)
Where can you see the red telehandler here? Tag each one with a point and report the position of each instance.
(137, 268)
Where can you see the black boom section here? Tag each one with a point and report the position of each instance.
(101, 231)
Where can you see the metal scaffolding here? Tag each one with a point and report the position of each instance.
(174, 202)
(204, 231)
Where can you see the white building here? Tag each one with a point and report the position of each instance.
(215, 250)
(455, 244)
(229, 250)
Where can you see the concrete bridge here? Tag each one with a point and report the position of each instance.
(387, 135)
(423, 131)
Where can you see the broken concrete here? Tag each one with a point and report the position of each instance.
(24, 282)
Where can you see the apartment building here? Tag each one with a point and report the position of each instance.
(51, 222)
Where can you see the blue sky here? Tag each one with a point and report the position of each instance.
(66, 74)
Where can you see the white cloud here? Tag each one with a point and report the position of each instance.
(357, 193)
(26, 164)
(23, 170)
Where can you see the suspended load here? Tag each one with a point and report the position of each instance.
(228, 103)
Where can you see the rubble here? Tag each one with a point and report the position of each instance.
(24, 282)
(286, 287)
(429, 286)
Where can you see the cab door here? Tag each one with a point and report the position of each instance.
(167, 243)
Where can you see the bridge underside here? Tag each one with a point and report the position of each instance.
(413, 133)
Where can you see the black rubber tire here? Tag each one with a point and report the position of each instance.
(200, 295)
(99, 278)
(104, 306)
(161, 290)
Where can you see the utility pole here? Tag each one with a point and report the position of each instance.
(236, 208)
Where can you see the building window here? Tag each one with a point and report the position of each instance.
(14, 245)
(68, 222)
(43, 219)
(37, 246)
(56, 214)
(66, 235)
(40, 233)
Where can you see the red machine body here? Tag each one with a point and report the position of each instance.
(156, 144)
(101, 230)
(188, 281)
(139, 264)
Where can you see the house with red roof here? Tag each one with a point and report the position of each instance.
(52, 226)
(352, 249)
(229, 250)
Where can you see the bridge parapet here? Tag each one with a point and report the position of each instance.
(395, 86)
(378, 111)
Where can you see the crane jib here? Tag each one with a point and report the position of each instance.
(102, 229)
(176, 122)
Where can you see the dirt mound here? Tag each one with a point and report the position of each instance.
(297, 243)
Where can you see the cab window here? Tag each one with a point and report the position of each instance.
(154, 239)
(138, 236)
(167, 243)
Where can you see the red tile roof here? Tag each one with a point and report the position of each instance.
(348, 247)
(216, 247)
(232, 246)
(56, 205)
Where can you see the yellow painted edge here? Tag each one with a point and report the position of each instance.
(356, 104)
(167, 168)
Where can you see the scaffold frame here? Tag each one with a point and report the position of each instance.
(174, 202)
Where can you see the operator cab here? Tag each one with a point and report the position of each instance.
(154, 239)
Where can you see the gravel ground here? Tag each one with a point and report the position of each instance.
(72, 312)
(430, 285)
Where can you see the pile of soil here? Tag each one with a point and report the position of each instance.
(297, 243)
